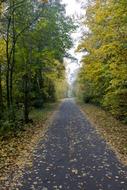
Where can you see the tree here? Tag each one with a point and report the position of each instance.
(104, 67)
(37, 37)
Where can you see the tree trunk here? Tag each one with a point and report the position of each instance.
(26, 104)
(8, 63)
(7, 76)
(13, 55)
(1, 97)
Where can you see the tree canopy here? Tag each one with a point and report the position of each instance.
(34, 39)
(103, 77)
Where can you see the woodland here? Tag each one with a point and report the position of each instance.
(102, 80)
(34, 39)
(35, 36)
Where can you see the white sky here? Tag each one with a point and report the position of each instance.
(73, 8)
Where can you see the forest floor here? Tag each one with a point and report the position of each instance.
(16, 149)
(71, 156)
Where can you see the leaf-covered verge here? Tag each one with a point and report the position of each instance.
(112, 130)
(16, 150)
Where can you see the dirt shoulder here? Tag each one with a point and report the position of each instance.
(112, 130)
(16, 151)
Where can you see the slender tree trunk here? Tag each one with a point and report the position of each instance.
(1, 95)
(13, 55)
(7, 75)
(11, 75)
(26, 104)
(27, 87)
(8, 63)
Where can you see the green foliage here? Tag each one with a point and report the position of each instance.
(104, 72)
(35, 37)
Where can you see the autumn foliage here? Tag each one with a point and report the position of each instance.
(103, 77)
(34, 39)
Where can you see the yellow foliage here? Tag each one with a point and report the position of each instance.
(104, 70)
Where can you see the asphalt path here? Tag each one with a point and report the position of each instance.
(72, 156)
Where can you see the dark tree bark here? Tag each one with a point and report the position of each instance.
(26, 103)
(1, 95)
(13, 55)
(8, 72)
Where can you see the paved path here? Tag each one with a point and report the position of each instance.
(73, 156)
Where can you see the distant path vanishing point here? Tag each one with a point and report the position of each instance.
(72, 156)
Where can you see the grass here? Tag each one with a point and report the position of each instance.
(16, 151)
(40, 115)
(112, 130)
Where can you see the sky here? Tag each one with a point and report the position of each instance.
(73, 8)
